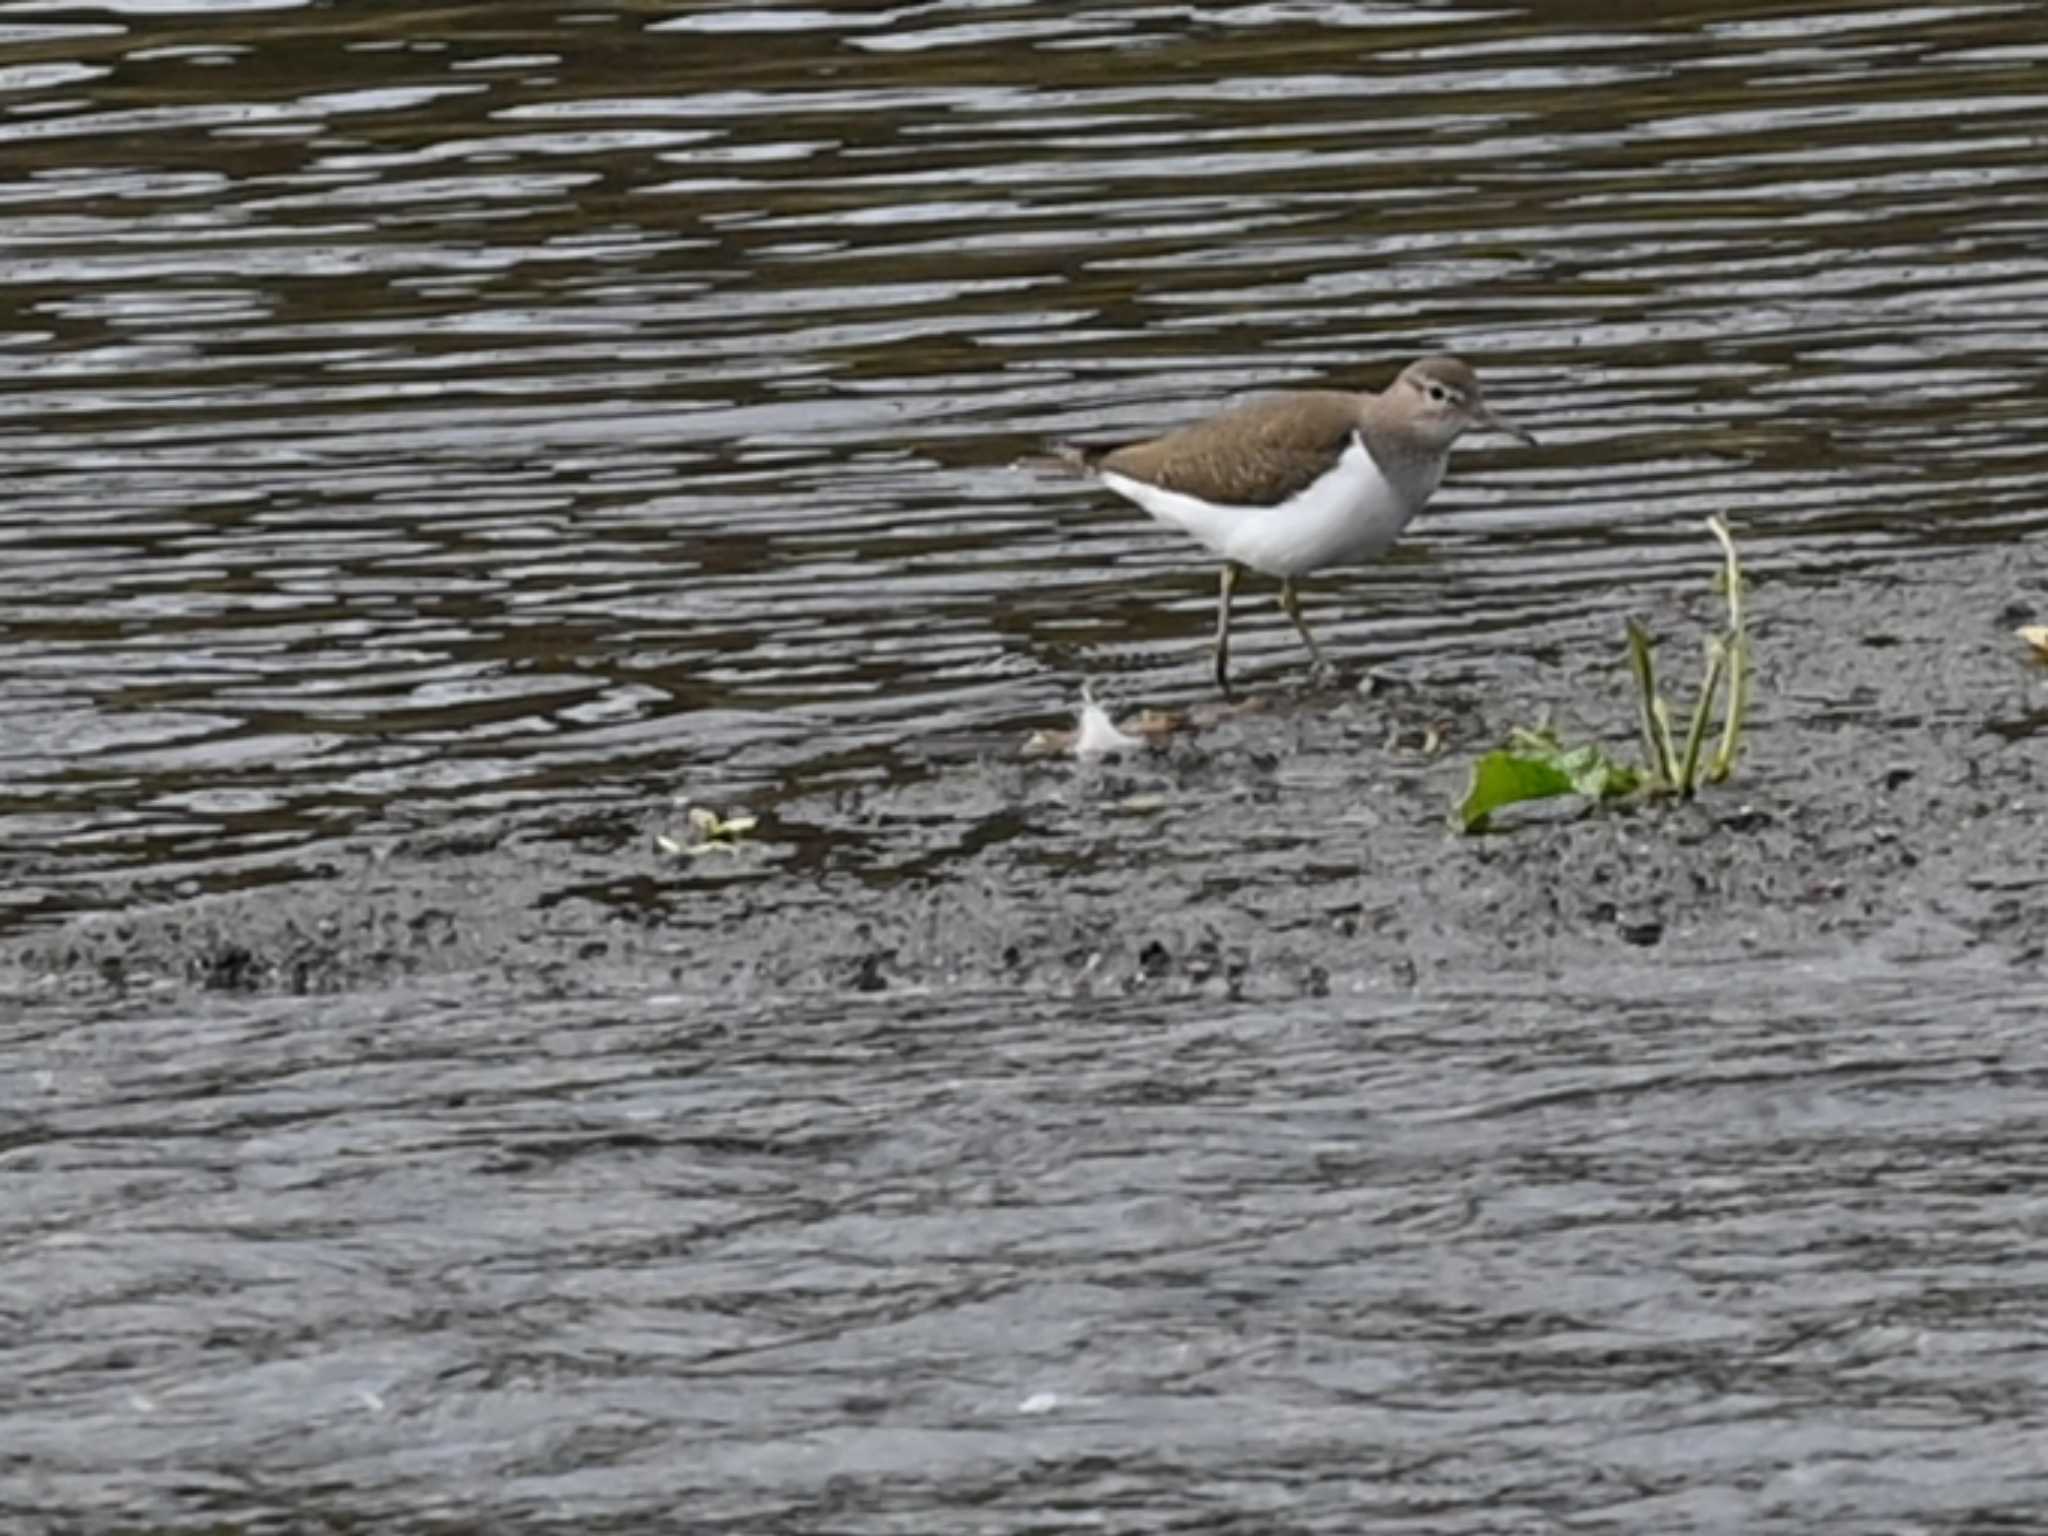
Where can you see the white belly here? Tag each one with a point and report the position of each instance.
(1352, 513)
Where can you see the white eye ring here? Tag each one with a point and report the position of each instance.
(1438, 392)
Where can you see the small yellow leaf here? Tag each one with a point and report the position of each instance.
(2035, 635)
(708, 829)
(1043, 743)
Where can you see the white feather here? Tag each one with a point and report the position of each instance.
(1352, 512)
(1097, 734)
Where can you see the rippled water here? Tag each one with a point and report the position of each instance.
(409, 414)
(1481, 1263)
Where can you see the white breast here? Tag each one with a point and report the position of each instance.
(1352, 512)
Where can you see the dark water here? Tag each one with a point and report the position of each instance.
(410, 415)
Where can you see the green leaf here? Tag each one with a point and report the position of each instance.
(1537, 767)
(1504, 778)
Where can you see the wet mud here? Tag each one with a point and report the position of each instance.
(1889, 808)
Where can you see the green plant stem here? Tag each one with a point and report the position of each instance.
(1696, 734)
(1656, 720)
(1737, 648)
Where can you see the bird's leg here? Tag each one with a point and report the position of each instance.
(1231, 570)
(1291, 601)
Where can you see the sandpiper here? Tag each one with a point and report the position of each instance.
(1292, 482)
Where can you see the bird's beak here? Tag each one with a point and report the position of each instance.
(1509, 428)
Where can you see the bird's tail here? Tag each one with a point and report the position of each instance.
(1069, 459)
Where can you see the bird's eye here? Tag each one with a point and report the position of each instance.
(1438, 392)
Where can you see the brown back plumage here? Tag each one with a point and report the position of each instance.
(1255, 455)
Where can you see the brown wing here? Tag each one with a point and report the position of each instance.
(1256, 455)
